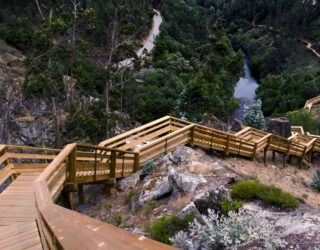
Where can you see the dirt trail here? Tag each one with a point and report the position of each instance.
(309, 47)
(290, 179)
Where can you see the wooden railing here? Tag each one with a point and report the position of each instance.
(65, 171)
(311, 102)
(61, 228)
(16, 160)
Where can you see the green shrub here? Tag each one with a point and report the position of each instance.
(316, 181)
(116, 220)
(251, 190)
(151, 204)
(128, 197)
(305, 119)
(167, 227)
(146, 169)
(254, 117)
(226, 206)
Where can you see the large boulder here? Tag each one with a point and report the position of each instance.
(155, 189)
(185, 182)
(210, 199)
(279, 126)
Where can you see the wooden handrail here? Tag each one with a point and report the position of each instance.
(130, 132)
(166, 137)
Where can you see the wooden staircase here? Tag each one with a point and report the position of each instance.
(29, 218)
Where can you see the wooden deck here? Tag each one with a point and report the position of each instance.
(19, 215)
(29, 218)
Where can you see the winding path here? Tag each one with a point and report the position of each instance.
(309, 47)
(148, 42)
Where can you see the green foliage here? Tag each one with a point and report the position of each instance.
(254, 117)
(116, 220)
(288, 91)
(147, 168)
(151, 204)
(166, 227)
(316, 181)
(128, 197)
(36, 87)
(226, 206)
(251, 190)
(305, 119)
(108, 206)
(82, 124)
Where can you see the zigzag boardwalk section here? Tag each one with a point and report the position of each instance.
(29, 218)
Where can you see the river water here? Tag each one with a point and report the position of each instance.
(245, 91)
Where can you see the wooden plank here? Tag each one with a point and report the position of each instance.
(130, 132)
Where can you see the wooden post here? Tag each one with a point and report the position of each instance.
(192, 137)
(265, 156)
(136, 163)
(67, 199)
(285, 158)
(112, 174)
(113, 162)
(254, 151)
(81, 195)
(273, 155)
(71, 185)
(72, 168)
(95, 165)
(226, 152)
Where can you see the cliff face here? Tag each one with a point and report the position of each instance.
(22, 121)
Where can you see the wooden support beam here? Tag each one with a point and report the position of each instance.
(265, 151)
(67, 199)
(136, 164)
(81, 195)
(273, 155)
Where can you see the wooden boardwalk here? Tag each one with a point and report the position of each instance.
(29, 218)
(19, 215)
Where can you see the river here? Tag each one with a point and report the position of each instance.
(245, 91)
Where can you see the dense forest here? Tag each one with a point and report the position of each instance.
(192, 72)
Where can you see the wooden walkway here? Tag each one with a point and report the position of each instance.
(18, 215)
(29, 218)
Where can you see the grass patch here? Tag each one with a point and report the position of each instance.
(128, 197)
(254, 190)
(116, 220)
(226, 206)
(108, 206)
(151, 204)
(166, 227)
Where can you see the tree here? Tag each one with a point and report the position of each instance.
(305, 119)
(254, 117)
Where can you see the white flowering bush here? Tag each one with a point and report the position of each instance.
(254, 117)
(218, 232)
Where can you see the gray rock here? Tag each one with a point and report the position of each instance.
(236, 125)
(128, 183)
(161, 188)
(210, 199)
(188, 210)
(279, 126)
(185, 182)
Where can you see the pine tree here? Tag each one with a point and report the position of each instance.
(254, 117)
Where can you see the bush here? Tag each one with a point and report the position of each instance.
(316, 181)
(167, 227)
(251, 190)
(227, 206)
(254, 117)
(151, 204)
(214, 232)
(305, 119)
(128, 197)
(146, 169)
